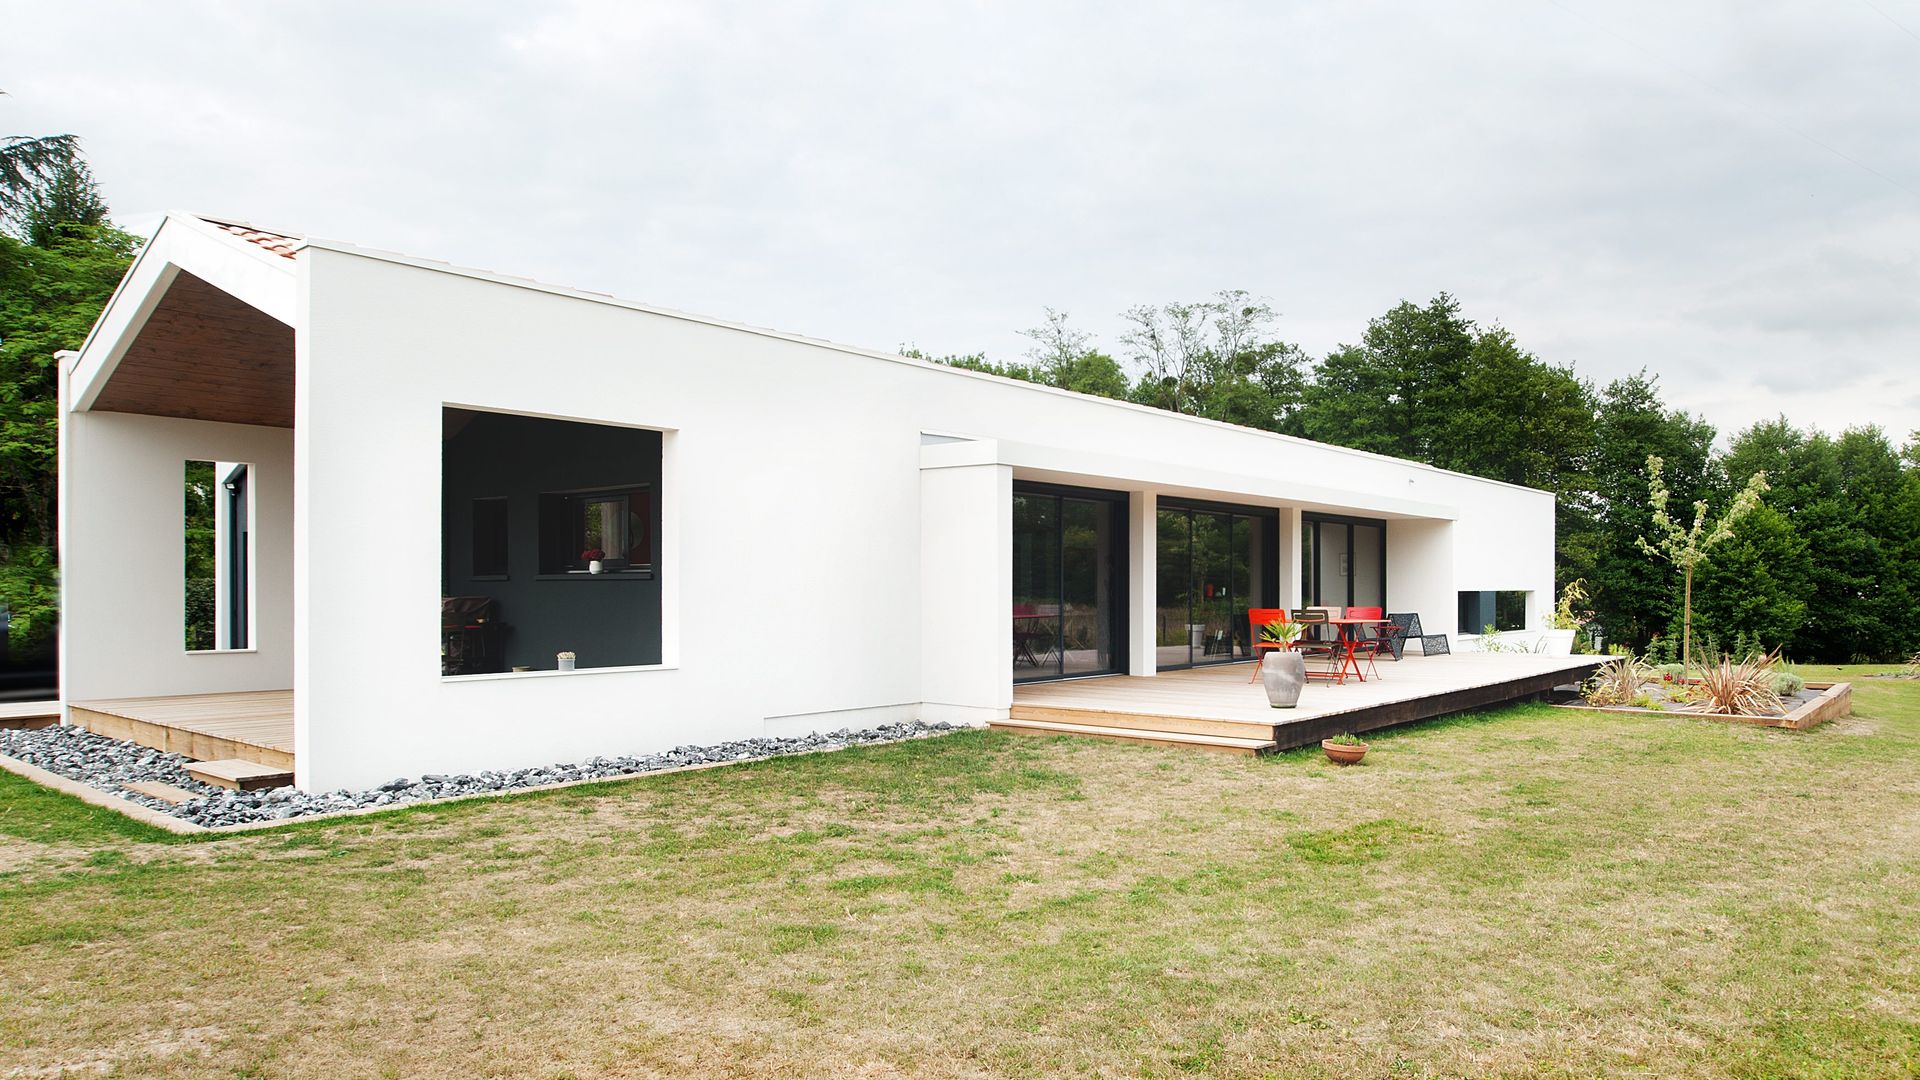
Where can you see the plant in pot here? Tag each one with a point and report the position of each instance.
(593, 557)
(1563, 622)
(1344, 749)
(566, 660)
(1282, 671)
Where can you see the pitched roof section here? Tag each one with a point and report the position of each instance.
(285, 245)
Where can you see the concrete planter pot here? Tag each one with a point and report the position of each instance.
(1283, 673)
(1557, 642)
(1343, 753)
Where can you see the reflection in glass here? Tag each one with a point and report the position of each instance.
(1209, 571)
(1036, 585)
(1174, 634)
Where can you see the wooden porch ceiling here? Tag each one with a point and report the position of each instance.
(205, 355)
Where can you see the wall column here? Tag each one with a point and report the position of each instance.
(966, 593)
(1142, 584)
(1291, 530)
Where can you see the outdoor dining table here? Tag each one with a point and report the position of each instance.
(1345, 646)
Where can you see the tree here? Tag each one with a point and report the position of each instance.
(1632, 598)
(26, 160)
(1686, 546)
(1393, 393)
(1063, 356)
(66, 198)
(1757, 583)
(50, 294)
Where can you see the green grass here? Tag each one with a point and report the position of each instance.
(1526, 891)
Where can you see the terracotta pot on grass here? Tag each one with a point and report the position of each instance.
(1343, 753)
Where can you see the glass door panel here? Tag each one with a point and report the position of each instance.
(1330, 586)
(1213, 585)
(1369, 588)
(1088, 615)
(1069, 573)
(1173, 632)
(1036, 585)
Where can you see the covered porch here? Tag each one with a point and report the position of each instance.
(177, 502)
(1218, 709)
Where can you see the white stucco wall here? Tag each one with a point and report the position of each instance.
(824, 561)
(122, 556)
(797, 488)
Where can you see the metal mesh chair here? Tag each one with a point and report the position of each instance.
(1394, 638)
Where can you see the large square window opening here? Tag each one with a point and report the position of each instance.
(547, 544)
(1501, 609)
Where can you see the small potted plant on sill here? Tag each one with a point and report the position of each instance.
(1344, 749)
(593, 557)
(566, 660)
(1283, 672)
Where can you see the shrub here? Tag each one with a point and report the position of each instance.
(1742, 689)
(1616, 682)
(1786, 683)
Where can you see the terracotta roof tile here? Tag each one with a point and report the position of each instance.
(282, 244)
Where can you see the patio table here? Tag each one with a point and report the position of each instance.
(1345, 646)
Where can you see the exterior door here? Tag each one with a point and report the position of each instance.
(1069, 583)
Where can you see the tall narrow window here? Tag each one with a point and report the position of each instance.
(201, 557)
(217, 573)
(237, 581)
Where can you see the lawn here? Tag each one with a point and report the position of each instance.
(1531, 890)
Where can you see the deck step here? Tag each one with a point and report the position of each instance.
(166, 793)
(1147, 721)
(1222, 744)
(238, 774)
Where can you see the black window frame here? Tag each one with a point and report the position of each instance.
(1269, 551)
(1117, 576)
(1313, 552)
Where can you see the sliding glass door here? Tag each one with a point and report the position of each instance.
(1212, 564)
(1343, 561)
(1069, 581)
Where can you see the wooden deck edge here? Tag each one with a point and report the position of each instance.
(27, 723)
(178, 740)
(106, 800)
(1310, 731)
(1178, 740)
(1145, 721)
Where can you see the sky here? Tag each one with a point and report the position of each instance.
(1724, 194)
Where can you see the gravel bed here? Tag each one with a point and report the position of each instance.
(109, 764)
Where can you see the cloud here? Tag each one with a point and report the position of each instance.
(1727, 194)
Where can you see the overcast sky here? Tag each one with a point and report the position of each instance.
(1726, 194)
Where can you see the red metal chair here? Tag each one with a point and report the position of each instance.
(1367, 645)
(1258, 617)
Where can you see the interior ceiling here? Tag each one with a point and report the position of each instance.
(204, 355)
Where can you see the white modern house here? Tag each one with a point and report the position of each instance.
(429, 482)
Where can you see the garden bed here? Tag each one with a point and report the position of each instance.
(1818, 703)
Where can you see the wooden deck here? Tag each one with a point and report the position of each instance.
(256, 726)
(1218, 709)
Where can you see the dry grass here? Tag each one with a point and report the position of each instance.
(1536, 891)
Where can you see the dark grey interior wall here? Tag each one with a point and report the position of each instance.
(608, 619)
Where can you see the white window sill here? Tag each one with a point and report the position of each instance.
(497, 676)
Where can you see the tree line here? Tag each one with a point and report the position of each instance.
(60, 260)
(1827, 568)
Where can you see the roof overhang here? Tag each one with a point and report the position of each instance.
(205, 281)
(1053, 464)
